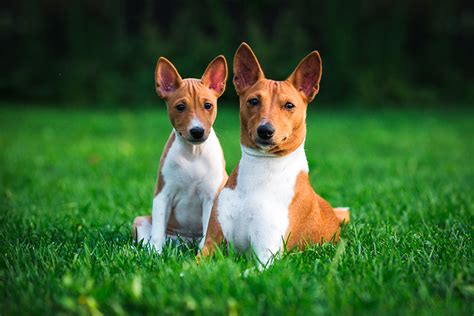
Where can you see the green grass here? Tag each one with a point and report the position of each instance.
(71, 183)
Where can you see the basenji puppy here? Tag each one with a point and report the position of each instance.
(268, 202)
(192, 167)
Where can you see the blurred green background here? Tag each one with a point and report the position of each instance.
(72, 179)
(103, 53)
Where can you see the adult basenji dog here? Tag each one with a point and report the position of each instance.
(192, 167)
(268, 202)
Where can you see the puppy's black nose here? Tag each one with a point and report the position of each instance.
(197, 132)
(265, 131)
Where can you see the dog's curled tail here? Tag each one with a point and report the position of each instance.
(343, 214)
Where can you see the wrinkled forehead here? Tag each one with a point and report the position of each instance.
(193, 90)
(273, 90)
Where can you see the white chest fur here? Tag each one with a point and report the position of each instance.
(255, 212)
(192, 175)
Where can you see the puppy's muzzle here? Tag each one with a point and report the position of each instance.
(197, 134)
(265, 134)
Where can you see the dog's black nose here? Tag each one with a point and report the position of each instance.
(265, 131)
(197, 132)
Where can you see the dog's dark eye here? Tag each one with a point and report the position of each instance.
(207, 106)
(180, 107)
(289, 105)
(253, 101)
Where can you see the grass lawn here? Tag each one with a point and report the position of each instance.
(71, 183)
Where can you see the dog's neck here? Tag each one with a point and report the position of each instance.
(256, 157)
(248, 151)
(260, 153)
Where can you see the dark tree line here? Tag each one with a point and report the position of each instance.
(103, 53)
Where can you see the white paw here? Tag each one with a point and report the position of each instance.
(144, 232)
(156, 244)
(202, 242)
(248, 272)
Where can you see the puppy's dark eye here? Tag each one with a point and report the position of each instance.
(253, 101)
(289, 105)
(207, 106)
(180, 107)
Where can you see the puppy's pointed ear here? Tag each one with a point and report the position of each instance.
(307, 75)
(247, 70)
(215, 76)
(167, 78)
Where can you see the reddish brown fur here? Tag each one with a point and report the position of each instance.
(299, 89)
(214, 229)
(160, 182)
(311, 218)
(290, 127)
(194, 93)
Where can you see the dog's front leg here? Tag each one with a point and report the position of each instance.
(214, 235)
(142, 229)
(160, 216)
(266, 248)
(206, 214)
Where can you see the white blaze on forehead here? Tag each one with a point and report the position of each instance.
(195, 123)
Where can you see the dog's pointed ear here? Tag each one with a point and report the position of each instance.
(215, 76)
(247, 70)
(167, 78)
(307, 75)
